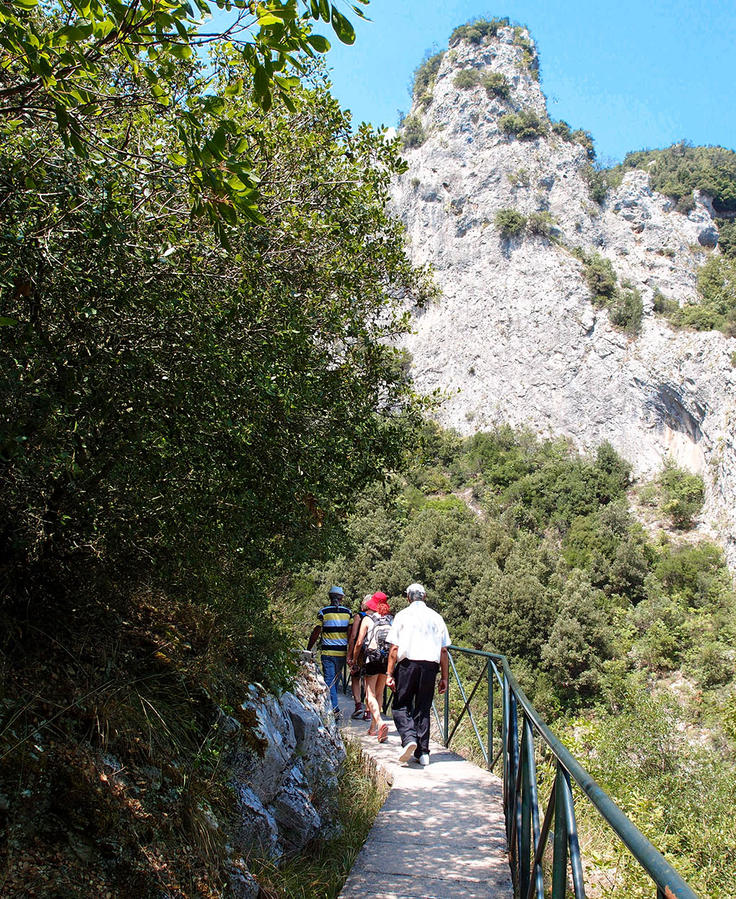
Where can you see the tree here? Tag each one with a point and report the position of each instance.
(179, 412)
(85, 66)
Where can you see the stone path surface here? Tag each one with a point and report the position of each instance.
(440, 833)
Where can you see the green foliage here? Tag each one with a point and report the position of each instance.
(684, 495)
(626, 311)
(467, 78)
(477, 30)
(579, 641)
(680, 169)
(584, 138)
(529, 57)
(717, 307)
(599, 276)
(56, 73)
(727, 238)
(424, 78)
(412, 132)
(523, 125)
(642, 756)
(153, 378)
(496, 85)
(624, 305)
(541, 224)
(664, 305)
(596, 181)
(510, 222)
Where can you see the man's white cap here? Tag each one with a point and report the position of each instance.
(415, 590)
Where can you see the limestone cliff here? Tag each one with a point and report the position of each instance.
(514, 336)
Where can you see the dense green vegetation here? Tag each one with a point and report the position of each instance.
(716, 310)
(412, 132)
(510, 222)
(532, 550)
(680, 169)
(623, 302)
(523, 125)
(424, 79)
(189, 403)
(477, 30)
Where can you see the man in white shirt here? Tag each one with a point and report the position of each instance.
(419, 641)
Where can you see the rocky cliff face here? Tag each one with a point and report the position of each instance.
(514, 336)
(284, 767)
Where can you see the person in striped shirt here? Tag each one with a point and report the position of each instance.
(333, 623)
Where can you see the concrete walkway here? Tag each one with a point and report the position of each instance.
(440, 833)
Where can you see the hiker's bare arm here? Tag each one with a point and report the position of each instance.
(444, 671)
(314, 635)
(391, 664)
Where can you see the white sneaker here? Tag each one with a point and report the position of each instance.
(407, 752)
(424, 759)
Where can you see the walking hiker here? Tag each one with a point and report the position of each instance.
(372, 636)
(355, 661)
(419, 641)
(333, 623)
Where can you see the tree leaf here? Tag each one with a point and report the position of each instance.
(343, 29)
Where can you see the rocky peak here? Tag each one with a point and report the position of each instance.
(508, 209)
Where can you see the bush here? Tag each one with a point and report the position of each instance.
(424, 78)
(585, 139)
(412, 132)
(467, 78)
(529, 57)
(680, 169)
(562, 129)
(684, 494)
(600, 277)
(510, 222)
(496, 85)
(524, 125)
(541, 224)
(664, 305)
(476, 31)
(717, 309)
(727, 238)
(596, 181)
(626, 311)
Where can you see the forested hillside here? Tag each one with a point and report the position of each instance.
(624, 636)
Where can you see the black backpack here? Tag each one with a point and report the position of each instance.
(375, 648)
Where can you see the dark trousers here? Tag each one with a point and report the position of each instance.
(413, 701)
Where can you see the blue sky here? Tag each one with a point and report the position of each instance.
(635, 74)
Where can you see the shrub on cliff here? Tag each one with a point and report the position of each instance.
(496, 85)
(684, 494)
(477, 30)
(626, 310)
(524, 125)
(680, 169)
(467, 78)
(424, 79)
(510, 222)
(412, 132)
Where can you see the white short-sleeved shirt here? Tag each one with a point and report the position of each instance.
(419, 633)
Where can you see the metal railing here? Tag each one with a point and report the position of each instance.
(527, 839)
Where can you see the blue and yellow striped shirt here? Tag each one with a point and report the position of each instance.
(334, 621)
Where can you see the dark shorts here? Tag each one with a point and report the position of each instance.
(375, 668)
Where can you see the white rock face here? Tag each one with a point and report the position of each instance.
(514, 337)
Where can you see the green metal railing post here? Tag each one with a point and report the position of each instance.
(526, 813)
(447, 714)
(559, 858)
(489, 673)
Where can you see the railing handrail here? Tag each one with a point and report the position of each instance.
(668, 881)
